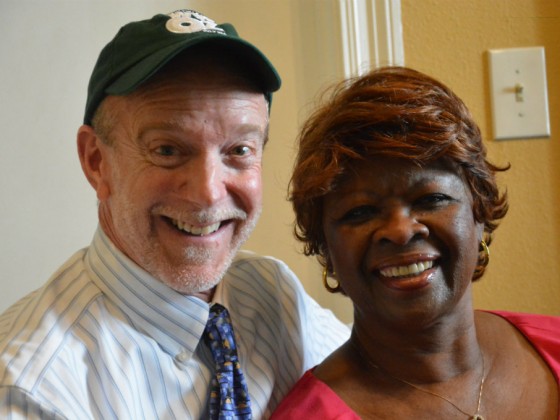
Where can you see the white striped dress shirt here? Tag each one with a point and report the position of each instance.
(105, 340)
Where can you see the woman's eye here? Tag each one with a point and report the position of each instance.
(359, 214)
(434, 199)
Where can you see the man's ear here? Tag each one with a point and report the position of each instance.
(91, 150)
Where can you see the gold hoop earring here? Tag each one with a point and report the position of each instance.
(483, 260)
(486, 251)
(330, 288)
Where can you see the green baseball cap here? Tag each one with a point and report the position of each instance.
(141, 48)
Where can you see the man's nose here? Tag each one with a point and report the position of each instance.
(400, 226)
(206, 183)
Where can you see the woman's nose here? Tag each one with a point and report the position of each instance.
(400, 226)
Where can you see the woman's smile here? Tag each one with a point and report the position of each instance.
(413, 269)
(408, 278)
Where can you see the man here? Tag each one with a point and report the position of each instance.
(175, 125)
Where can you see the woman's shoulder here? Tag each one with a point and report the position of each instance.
(542, 331)
(533, 326)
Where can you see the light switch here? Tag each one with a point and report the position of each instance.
(518, 91)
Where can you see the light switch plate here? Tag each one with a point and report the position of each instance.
(519, 93)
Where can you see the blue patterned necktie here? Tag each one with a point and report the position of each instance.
(229, 398)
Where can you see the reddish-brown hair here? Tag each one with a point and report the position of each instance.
(395, 112)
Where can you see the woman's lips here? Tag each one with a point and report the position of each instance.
(406, 270)
(408, 277)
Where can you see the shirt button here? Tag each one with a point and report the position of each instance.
(182, 357)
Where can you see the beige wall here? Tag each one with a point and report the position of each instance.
(449, 39)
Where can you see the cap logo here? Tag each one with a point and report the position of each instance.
(189, 21)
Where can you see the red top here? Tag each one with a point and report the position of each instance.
(311, 398)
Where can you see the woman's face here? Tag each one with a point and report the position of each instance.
(402, 240)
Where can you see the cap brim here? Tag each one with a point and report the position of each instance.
(268, 78)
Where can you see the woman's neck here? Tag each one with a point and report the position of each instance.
(446, 348)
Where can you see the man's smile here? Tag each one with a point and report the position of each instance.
(195, 230)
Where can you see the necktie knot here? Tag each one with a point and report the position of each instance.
(229, 397)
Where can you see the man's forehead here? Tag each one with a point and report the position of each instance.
(176, 105)
(200, 93)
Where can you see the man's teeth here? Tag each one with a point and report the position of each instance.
(407, 270)
(195, 230)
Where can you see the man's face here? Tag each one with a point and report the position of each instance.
(183, 177)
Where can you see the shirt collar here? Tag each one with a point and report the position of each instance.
(175, 321)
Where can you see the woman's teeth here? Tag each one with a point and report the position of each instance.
(195, 230)
(406, 270)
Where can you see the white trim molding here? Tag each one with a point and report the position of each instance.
(371, 34)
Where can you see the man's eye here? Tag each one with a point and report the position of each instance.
(241, 150)
(166, 150)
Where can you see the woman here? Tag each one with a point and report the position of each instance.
(392, 191)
